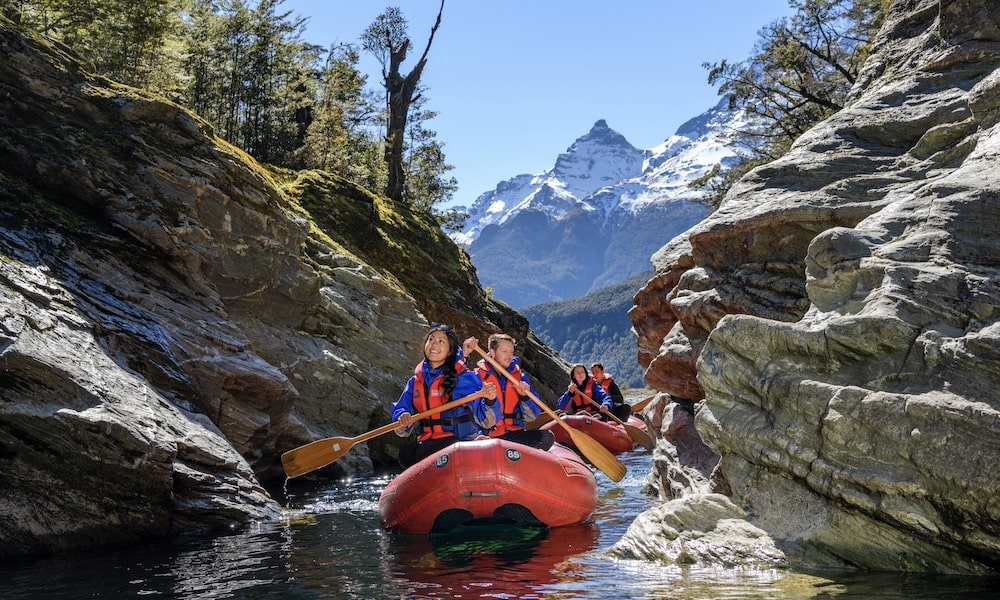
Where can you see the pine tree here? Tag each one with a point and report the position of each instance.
(426, 168)
(801, 71)
(130, 41)
(336, 137)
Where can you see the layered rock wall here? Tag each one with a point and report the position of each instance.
(174, 316)
(838, 315)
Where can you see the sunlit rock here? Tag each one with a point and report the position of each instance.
(837, 318)
(175, 316)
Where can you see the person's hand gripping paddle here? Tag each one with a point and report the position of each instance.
(598, 455)
(320, 453)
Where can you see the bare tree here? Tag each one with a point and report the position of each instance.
(387, 39)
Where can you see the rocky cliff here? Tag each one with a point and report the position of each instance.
(174, 316)
(838, 322)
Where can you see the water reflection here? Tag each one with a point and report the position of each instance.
(500, 561)
(331, 546)
(225, 567)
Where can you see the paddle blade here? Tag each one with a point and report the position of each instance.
(638, 406)
(538, 421)
(597, 454)
(314, 455)
(639, 437)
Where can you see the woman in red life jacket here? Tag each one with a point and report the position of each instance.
(618, 407)
(515, 405)
(440, 378)
(572, 402)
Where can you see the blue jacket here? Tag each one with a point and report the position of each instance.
(482, 416)
(569, 405)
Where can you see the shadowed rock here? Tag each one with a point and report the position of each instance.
(174, 316)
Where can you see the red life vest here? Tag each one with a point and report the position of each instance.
(606, 383)
(581, 404)
(510, 400)
(427, 397)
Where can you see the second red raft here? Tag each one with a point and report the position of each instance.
(489, 479)
(610, 434)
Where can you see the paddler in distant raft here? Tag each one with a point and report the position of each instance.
(440, 378)
(516, 406)
(573, 401)
(618, 406)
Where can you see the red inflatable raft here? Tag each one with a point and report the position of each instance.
(610, 434)
(493, 479)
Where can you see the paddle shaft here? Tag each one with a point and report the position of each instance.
(514, 380)
(639, 436)
(598, 455)
(600, 406)
(320, 453)
(544, 418)
(420, 415)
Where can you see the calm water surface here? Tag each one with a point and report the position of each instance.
(331, 546)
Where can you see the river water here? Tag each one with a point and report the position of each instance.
(330, 545)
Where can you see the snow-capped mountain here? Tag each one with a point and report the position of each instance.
(604, 172)
(597, 216)
(599, 159)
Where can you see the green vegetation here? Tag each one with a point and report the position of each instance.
(387, 39)
(593, 328)
(243, 66)
(801, 71)
(403, 242)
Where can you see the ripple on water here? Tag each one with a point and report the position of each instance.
(330, 545)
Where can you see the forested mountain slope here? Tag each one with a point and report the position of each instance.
(593, 328)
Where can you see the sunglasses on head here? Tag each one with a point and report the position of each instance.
(440, 327)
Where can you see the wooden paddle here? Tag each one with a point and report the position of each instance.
(320, 453)
(638, 436)
(597, 454)
(642, 404)
(544, 418)
(538, 421)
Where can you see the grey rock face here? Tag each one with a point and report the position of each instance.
(839, 314)
(92, 453)
(169, 321)
(174, 316)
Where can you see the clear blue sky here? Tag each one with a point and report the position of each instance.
(515, 82)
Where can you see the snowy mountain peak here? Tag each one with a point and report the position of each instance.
(601, 171)
(600, 133)
(600, 158)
